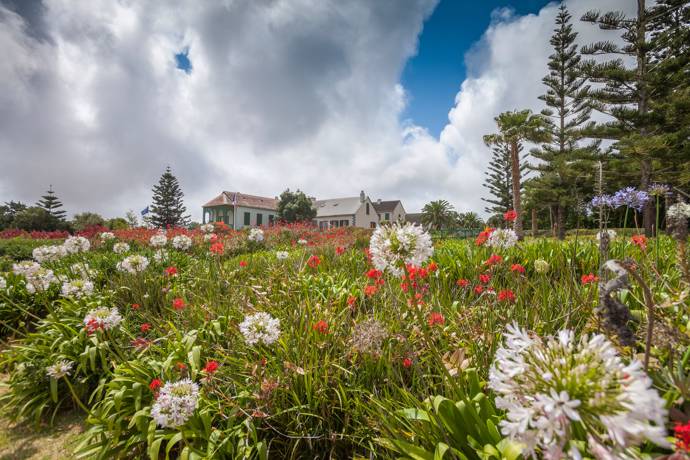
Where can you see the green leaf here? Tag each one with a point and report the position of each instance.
(440, 451)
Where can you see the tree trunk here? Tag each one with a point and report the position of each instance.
(646, 164)
(560, 221)
(648, 217)
(535, 223)
(515, 170)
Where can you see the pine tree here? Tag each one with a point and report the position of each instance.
(563, 160)
(499, 180)
(168, 209)
(52, 204)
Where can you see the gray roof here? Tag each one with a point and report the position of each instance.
(386, 206)
(337, 206)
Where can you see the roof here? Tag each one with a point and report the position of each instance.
(414, 218)
(242, 199)
(385, 206)
(337, 206)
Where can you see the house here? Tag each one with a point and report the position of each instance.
(390, 211)
(240, 210)
(346, 212)
(415, 218)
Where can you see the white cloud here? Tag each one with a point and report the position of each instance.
(300, 93)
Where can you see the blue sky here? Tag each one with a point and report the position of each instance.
(432, 78)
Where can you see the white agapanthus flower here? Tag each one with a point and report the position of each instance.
(102, 318)
(256, 235)
(105, 236)
(210, 236)
(48, 253)
(282, 255)
(25, 267)
(301, 242)
(207, 228)
(502, 238)
(37, 278)
(83, 271)
(175, 404)
(120, 248)
(75, 244)
(158, 240)
(59, 369)
(161, 255)
(678, 211)
(394, 246)
(133, 264)
(3, 283)
(612, 234)
(260, 327)
(77, 288)
(182, 242)
(557, 389)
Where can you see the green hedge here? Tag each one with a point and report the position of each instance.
(15, 249)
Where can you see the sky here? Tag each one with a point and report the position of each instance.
(392, 97)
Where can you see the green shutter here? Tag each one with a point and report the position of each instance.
(247, 218)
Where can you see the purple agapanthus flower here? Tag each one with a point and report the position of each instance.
(659, 189)
(630, 197)
(602, 200)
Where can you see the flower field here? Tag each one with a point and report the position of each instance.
(290, 342)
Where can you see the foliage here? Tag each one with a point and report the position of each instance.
(86, 219)
(295, 207)
(499, 180)
(52, 205)
(168, 208)
(438, 214)
(8, 211)
(36, 218)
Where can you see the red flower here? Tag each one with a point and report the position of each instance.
(640, 241)
(313, 261)
(141, 343)
(432, 267)
(374, 274)
(462, 282)
(321, 327)
(351, 300)
(435, 318)
(340, 250)
(217, 248)
(178, 303)
(211, 367)
(155, 384)
(213, 238)
(181, 366)
(494, 259)
(510, 215)
(404, 286)
(483, 236)
(171, 271)
(407, 362)
(370, 290)
(145, 327)
(588, 279)
(682, 434)
(517, 268)
(506, 295)
(243, 263)
(484, 278)
(478, 289)
(92, 326)
(135, 306)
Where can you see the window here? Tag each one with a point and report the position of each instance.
(367, 209)
(247, 218)
(322, 224)
(270, 219)
(387, 216)
(372, 224)
(334, 223)
(259, 219)
(344, 223)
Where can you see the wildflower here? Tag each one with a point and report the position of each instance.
(435, 318)
(133, 264)
(141, 343)
(59, 369)
(370, 290)
(478, 289)
(102, 318)
(256, 235)
(374, 273)
(493, 260)
(171, 271)
(432, 267)
(313, 261)
(630, 197)
(75, 244)
(282, 255)
(175, 404)
(243, 263)
(158, 240)
(77, 288)
(556, 389)
(640, 241)
(517, 268)
(483, 236)
(658, 189)
(368, 336)
(120, 248)
(260, 327)
(502, 238)
(510, 215)
(301, 242)
(484, 278)
(135, 306)
(541, 266)
(182, 242)
(38, 278)
(340, 250)
(211, 367)
(105, 236)
(178, 303)
(682, 434)
(394, 246)
(48, 253)
(145, 328)
(678, 211)
(611, 233)
(589, 279)
(506, 295)
(604, 201)
(207, 228)
(351, 300)
(321, 327)
(462, 282)
(3, 283)
(217, 248)
(210, 237)
(155, 384)
(407, 362)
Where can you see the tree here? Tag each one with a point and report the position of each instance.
(132, 219)
(563, 160)
(295, 207)
(514, 128)
(168, 208)
(469, 220)
(117, 223)
(84, 220)
(35, 218)
(52, 204)
(8, 211)
(437, 214)
(499, 179)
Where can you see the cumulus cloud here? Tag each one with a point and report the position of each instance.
(299, 93)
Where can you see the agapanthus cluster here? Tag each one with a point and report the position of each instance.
(158, 240)
(678, 211)
(37, 278)
(630, 197)
(182, 242)
(282, 255)
(562, 389)
(260, 327)
(392, 247)
(43, 254)
(541, 266)
(502, 238)
(161, 255)
(59, 369)
(133, 264)
(83, 271)
(3, 283)
(207, 228)
(105, 236)
(256, 235)
(210, 237)
(611, 233)
(604, 201)
(120, 248)
(368, 337)
(175, 404)
(658, 189)
(75, 244)
(77, 288)
(102, 318)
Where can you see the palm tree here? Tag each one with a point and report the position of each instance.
(470, 220)
(437, 214)
(514, 128)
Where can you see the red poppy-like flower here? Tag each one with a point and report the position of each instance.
(374, 274)
(506, 295)
(370, 290)
(155, 384)
(483, 236)
(407, 362)
(171, 271)
(682, 435)
(213, 238)
(435, 318)
(135, 306)
(404, 286)
(243, 263)
(351, 300)
(211, 367)
(340, 250)
(145, 327)
(432, 267)
(478, 289)
(92, 326)
(510, 215)
(462, 282)
(313, 261)
(517, 268)
(321, 327)
(141, 343)
(494, 259)
(416, 272)
(181, 366)
(484, 278)
(589, 279)
(178, 303)
(217, 248)
(640, 241)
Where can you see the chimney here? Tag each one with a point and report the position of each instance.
(362, 197)
(378, 201)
